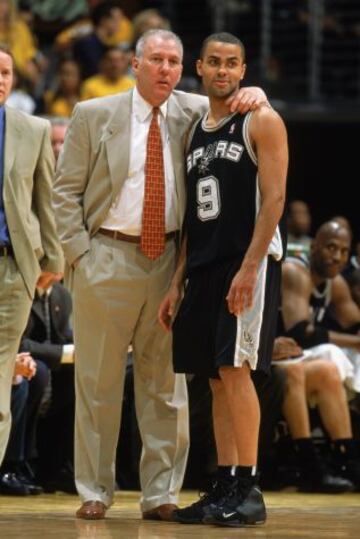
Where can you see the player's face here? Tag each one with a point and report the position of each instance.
(158, 70)
(330, 254)
(221, 69)
(6, 76)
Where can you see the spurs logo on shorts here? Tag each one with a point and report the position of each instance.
(248, 341)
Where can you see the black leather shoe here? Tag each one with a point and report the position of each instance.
(33, 488)
(324, 483)
(10, 485)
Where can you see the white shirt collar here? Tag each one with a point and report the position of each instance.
(142, 109)
(41, 292)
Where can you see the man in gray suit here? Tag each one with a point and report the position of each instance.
(30, 252)
(117, 288)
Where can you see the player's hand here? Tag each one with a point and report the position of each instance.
(284, 348)
(47, 278)
(249, 98)
(241, 292)
(168, 307)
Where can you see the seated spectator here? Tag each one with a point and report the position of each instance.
(318, 383)
(106, 18)
(48, 17)
(84, 26)
(112, 78)
(298, 225)
(48, 338)
(19, 98)
(29, 383)
(17, 36)
(58, 131)
(148, 19)
(308, 291)
(61, 100)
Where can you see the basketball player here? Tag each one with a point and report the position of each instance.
(236, 175)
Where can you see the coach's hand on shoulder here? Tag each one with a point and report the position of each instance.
(247, 98)
(168, 307)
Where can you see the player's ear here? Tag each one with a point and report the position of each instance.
(199, 67)
(243, 71)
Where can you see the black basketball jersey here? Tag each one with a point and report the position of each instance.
(223, 196)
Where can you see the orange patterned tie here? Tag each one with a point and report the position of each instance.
(153, 217)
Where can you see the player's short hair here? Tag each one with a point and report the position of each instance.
(222, 37)
(167, 35)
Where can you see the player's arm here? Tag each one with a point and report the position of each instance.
(295, 297)
(295, 307)
(347, 313)
(168, 305)
(268, 135)
(296, 291)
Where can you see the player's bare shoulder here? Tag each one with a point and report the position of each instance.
(266, 121)
(296, 276)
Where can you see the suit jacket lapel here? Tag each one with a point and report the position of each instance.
(12, 140)
(37, 308)
(178, 125)
(117, 142)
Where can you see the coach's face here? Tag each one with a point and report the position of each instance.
(6, 76)
(158, 70)
(221, 69)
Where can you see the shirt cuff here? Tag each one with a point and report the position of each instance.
(68, 354)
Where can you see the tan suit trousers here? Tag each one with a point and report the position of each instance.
(117, 292)
(15, 305)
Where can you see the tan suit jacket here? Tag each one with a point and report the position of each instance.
(28, 175)
(102, 130)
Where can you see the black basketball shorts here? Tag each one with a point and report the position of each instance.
(207, 336)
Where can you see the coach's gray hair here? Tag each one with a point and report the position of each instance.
(167, 35)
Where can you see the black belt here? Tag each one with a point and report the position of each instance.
(6, 250)
(116, 235)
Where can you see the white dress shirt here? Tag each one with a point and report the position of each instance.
(125, 214)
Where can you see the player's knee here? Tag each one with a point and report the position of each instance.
(329, 375)
(235, 378)
(295, 376)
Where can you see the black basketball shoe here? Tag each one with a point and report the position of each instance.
(243, 507)
(208, 503)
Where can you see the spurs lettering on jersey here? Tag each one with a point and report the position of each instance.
(222, 149)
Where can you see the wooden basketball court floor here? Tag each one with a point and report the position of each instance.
(290, 515)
